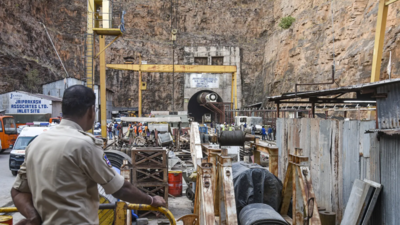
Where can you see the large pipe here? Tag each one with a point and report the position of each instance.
(205, 97)
(232, 138)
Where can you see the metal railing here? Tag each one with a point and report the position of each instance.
(105, 20)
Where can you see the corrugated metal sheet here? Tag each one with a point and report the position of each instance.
(389, 108)
(57, 88)
(350, 157)
(338, 90)
(333, 148)
(390, 179)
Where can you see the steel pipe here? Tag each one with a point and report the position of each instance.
(8, 209)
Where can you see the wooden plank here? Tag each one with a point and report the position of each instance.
(325, 139)
(287, 191)
(363, 198)
(149, 158)
(355, 203)
(370, 209)
(149, 175)
(315, 155)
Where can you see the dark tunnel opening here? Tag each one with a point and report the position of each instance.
(195, 109)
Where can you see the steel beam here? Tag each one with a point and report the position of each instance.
(154, 68)
(102, 50)
(390, 2)
(103, 100)
(379, 40)
(140, 86)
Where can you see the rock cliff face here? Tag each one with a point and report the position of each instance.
(272, 59)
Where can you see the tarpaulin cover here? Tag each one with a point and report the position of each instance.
(254, 184)
(258, 213)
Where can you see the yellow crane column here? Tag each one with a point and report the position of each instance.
(99, 23)
(379, 39)
(103, 94)
(140, 86)
(89, 44)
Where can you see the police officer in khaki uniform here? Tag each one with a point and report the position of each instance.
(57, 183)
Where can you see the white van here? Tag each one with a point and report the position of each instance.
(17, 154)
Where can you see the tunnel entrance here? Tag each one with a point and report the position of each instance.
(195, 109)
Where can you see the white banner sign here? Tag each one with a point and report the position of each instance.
(22, 103)
(204, 81)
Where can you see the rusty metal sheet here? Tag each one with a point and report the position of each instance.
(206, 198)
(335, 159)
(308, 192)
(212, 158)
(228, 214)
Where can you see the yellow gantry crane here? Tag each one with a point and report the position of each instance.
(99, 22)
(180, 69)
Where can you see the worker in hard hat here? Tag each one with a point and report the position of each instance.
(140, 130)
(57, 183)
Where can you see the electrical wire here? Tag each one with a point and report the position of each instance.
(48, 35)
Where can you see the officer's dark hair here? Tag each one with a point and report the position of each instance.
(77, 100)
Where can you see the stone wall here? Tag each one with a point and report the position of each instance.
(272, 59)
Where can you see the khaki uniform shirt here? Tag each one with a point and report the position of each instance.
(62, 169)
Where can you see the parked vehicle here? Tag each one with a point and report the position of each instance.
(17, 154)
(97, 133)
(249, 120)
(55, 120)
(8, 132)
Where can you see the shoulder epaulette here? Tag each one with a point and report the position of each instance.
(95, 140)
